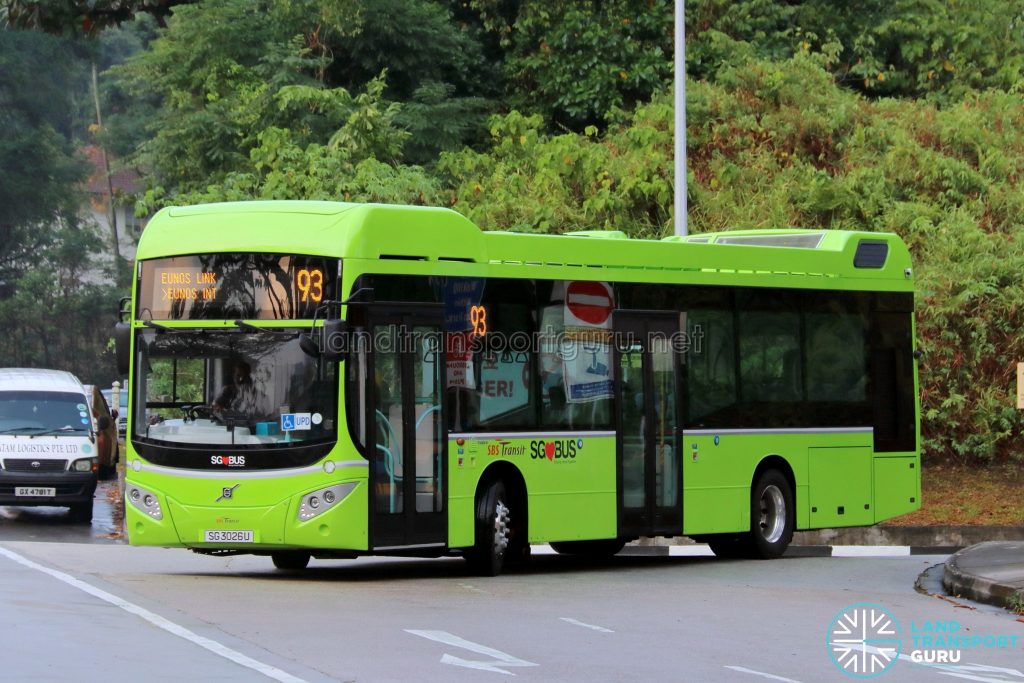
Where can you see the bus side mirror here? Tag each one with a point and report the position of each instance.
(122, 346)
(330, 342)
(308, 345)
(102, 423)
(335, 339)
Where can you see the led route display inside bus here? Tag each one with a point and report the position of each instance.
(236, 286)
(186, 284)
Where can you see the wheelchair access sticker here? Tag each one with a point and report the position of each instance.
(291, 422)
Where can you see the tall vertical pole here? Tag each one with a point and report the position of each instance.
(680, 132)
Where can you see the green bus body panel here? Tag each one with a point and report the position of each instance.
(568, 499)
(897, 483)
(571, 492)
(445, 242)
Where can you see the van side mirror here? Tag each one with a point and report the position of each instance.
(122, 346)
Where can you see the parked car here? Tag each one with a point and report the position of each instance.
(119, 411)
(48, 440)
(106, 437)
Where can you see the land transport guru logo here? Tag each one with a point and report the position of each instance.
(864, 640)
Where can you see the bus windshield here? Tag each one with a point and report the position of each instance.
(232, 388)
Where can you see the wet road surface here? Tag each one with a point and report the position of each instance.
(56, 524)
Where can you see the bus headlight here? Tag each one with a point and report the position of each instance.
(144, 500)
(319, 502)
(85, 465)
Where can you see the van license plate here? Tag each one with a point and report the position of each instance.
(227, 536)
(35, 491)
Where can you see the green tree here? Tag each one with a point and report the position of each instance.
(573, 62)
(52, 316)
(38, 169)
(80, 17)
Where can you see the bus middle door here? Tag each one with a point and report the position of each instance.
(408, 452)
(649, 466)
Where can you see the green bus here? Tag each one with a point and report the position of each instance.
(318, 379)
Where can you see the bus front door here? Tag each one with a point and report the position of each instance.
(649, 466)
(407, 501)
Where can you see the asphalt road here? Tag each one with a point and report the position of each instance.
(86, 608)
(55, 524)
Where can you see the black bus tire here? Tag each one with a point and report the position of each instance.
(493, 525)
(291, 560)
(772, 515)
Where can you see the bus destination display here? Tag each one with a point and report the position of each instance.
(224, 286)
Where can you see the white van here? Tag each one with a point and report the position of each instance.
(48, 452)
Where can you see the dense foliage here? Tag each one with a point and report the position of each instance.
(51, 314)
(894, 115)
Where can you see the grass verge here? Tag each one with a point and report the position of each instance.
(957, 494)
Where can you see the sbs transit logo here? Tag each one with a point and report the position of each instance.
(864, 640)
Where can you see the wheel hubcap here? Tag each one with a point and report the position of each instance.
(773, 514)
(501, 528)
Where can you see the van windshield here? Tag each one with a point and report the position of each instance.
(35, 413)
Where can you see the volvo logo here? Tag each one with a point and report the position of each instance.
(227, 492)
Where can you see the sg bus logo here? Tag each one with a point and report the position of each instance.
(553, 450)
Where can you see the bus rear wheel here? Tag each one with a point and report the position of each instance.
(772, 515)
(294, 561)
(493, 529)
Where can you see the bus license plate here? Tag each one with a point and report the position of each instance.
(35, 491)
(227, 536)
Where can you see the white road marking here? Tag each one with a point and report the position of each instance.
(702, 550)
(870, 550)
(602, 629)
(745, 670)
(967, 671)
(158, 621)
(501, 659)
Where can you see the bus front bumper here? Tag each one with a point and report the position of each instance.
(250, 529)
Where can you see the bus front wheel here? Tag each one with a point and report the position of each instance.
(772, 515)
(290, 560)
(493, 527)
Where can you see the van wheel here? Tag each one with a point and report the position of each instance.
(493, 526)
(82, 512)
(772, 515)
(293, 561)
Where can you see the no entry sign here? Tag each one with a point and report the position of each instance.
(590, 303)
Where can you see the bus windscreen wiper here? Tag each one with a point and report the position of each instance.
(255, 328)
